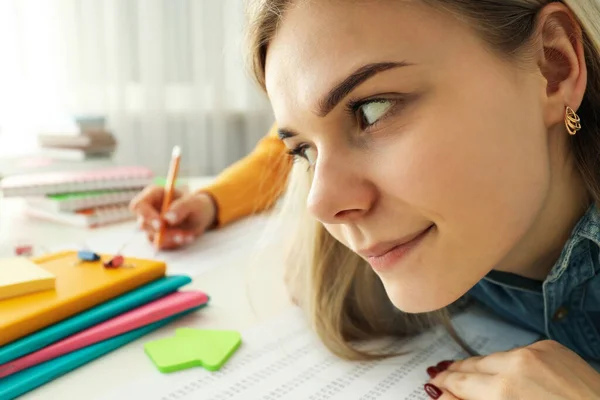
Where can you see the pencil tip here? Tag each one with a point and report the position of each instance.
(176, 151)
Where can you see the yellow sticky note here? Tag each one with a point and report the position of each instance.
(20, 276)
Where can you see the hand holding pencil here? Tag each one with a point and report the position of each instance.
(170, 219)
(168, 195)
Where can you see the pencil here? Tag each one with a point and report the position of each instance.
(169, 191)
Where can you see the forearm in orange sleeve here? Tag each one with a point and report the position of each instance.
(254, 183)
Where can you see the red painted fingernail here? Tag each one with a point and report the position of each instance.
(432, 372)
(432, 391)
(443, 365)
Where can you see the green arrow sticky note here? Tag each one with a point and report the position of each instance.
(193, 347)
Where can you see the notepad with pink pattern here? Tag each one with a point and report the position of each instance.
(112, 178)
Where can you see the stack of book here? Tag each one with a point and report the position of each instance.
(63, 313)
(81, 198)
(88, 139)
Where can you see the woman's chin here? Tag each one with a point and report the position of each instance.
(415, 307)
(411, 301)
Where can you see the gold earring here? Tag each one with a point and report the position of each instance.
(572, 121)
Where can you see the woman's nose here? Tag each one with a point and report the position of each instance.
(340, 191)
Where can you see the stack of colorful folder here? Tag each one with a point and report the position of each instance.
(91, 311)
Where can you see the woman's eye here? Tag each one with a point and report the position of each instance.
(371, 112)
(311, 155)
(305, 152)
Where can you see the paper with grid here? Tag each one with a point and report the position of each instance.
(282, 359)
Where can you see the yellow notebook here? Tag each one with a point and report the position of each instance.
(20, 276)
(78, 287)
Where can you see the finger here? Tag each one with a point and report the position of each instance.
(152, 225)
(151, 194)
(465, 385)
(492, 364)
(171, 241)
(148, 216)
(517, 360)
(435, 392)
(471, 364)
(174, 238)
(180, 209)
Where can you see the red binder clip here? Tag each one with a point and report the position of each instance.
(117, 261)
(114, 262)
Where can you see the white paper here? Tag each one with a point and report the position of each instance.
(282, 359)
(214, 248)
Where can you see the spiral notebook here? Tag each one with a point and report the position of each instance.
(81, 200)
(121, 177)
(86, 218)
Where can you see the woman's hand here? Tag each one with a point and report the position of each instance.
(545, 370)
(187, 219)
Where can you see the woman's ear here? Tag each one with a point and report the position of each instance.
(561, 60)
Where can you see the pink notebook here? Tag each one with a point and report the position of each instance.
(121, 177)
(167, 306)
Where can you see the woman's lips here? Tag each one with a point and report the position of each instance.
(384, 256)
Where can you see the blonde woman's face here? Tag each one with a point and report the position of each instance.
(429, 153)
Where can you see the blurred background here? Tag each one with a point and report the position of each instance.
(85, 83)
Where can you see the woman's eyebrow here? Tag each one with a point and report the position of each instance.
(285, 133)
(341, 90)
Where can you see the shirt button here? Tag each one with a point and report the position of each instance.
(560, 314)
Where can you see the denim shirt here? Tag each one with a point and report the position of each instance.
(565, 307)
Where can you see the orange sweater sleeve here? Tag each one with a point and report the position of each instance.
(252, 184)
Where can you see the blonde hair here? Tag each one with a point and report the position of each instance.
(342, 296)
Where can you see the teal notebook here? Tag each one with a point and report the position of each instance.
(126, 302)
(34, 377)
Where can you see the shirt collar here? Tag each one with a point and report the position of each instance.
(587, 228)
